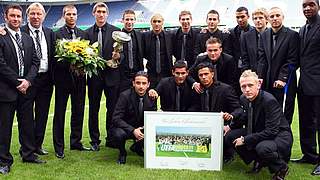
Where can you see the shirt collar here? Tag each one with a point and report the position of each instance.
(33, 28)
(12, 32)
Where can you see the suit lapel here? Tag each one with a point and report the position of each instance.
(282, 35)
(267, 44)
(172, 88)
(12, 47)
(133, 99)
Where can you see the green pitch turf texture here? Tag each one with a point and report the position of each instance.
(102, 164)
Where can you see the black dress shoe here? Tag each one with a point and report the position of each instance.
(81, 148)
(122, 159)
(316, 171)
(35, 161)
(4, 169)
(228, 160)
(281, 174)
(41, 152)
(137, 149)
(304, 160)
(256, 168)
(60, 155)
(95, 147)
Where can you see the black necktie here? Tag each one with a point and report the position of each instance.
(183, 47)
(215, 73)
(73, 34)
(20, 54)
(141, 108)
(100, 40)
(158, 63)
(130, 54)
(306, 31)
(250, 114)
(274, 42)
(206, 101)
(38, 45)
(178, 97)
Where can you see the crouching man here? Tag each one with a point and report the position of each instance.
(128, 119)
(267, 138)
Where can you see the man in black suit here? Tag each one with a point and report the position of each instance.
(242, 16)
(250, 40)
(278, 56)
(184, 39)
(42, 88)
(108, 80)
(128, 121)
(267, 138)
(131, 62)
(216, 97)
(175, 92)
(223, 64)
(309, 85)
(68, 83)
(213, 19)
(18, 68)
(157, 50)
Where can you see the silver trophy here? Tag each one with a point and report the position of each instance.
(120, 38)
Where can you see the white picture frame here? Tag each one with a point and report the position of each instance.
(183, 140)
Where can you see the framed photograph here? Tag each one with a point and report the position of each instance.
(183, 140)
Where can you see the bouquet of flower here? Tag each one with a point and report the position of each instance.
(83, 57)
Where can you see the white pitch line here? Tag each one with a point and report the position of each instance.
(186, 154)
(67, 111)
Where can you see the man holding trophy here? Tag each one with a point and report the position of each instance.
(107, 80)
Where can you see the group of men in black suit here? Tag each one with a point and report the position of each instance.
(205, 78)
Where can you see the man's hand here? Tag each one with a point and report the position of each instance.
(153, 94)
(197, 87)
(2, 31)
(23, 87)
(225, 30)
(227, 116)
(204, 30)
(279, 84)
(226, 129)
(239, 141)
(138, 134)
(115, 55)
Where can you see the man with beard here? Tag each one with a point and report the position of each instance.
(175, 92)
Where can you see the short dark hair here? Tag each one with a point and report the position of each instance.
(213, 40)
(213, 12)
(204, 65)
(12, 6)
(141, 73)
(242, 8)
(180, 64)
(128, 11)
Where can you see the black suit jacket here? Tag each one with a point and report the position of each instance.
(167, 92)
(225, 69)
(111, 75)
(177, 39)
(235, 34)
(275, 65)
(222, 99)
(309, 82)
(9, 68)
(62, 75)
(146, 41)
(137, 61)
(50, 38)
(268, 119)
(203, 37)
(125, 115)
(249, 50)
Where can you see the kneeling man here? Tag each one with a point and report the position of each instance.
(127, 121)
(267, 138)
